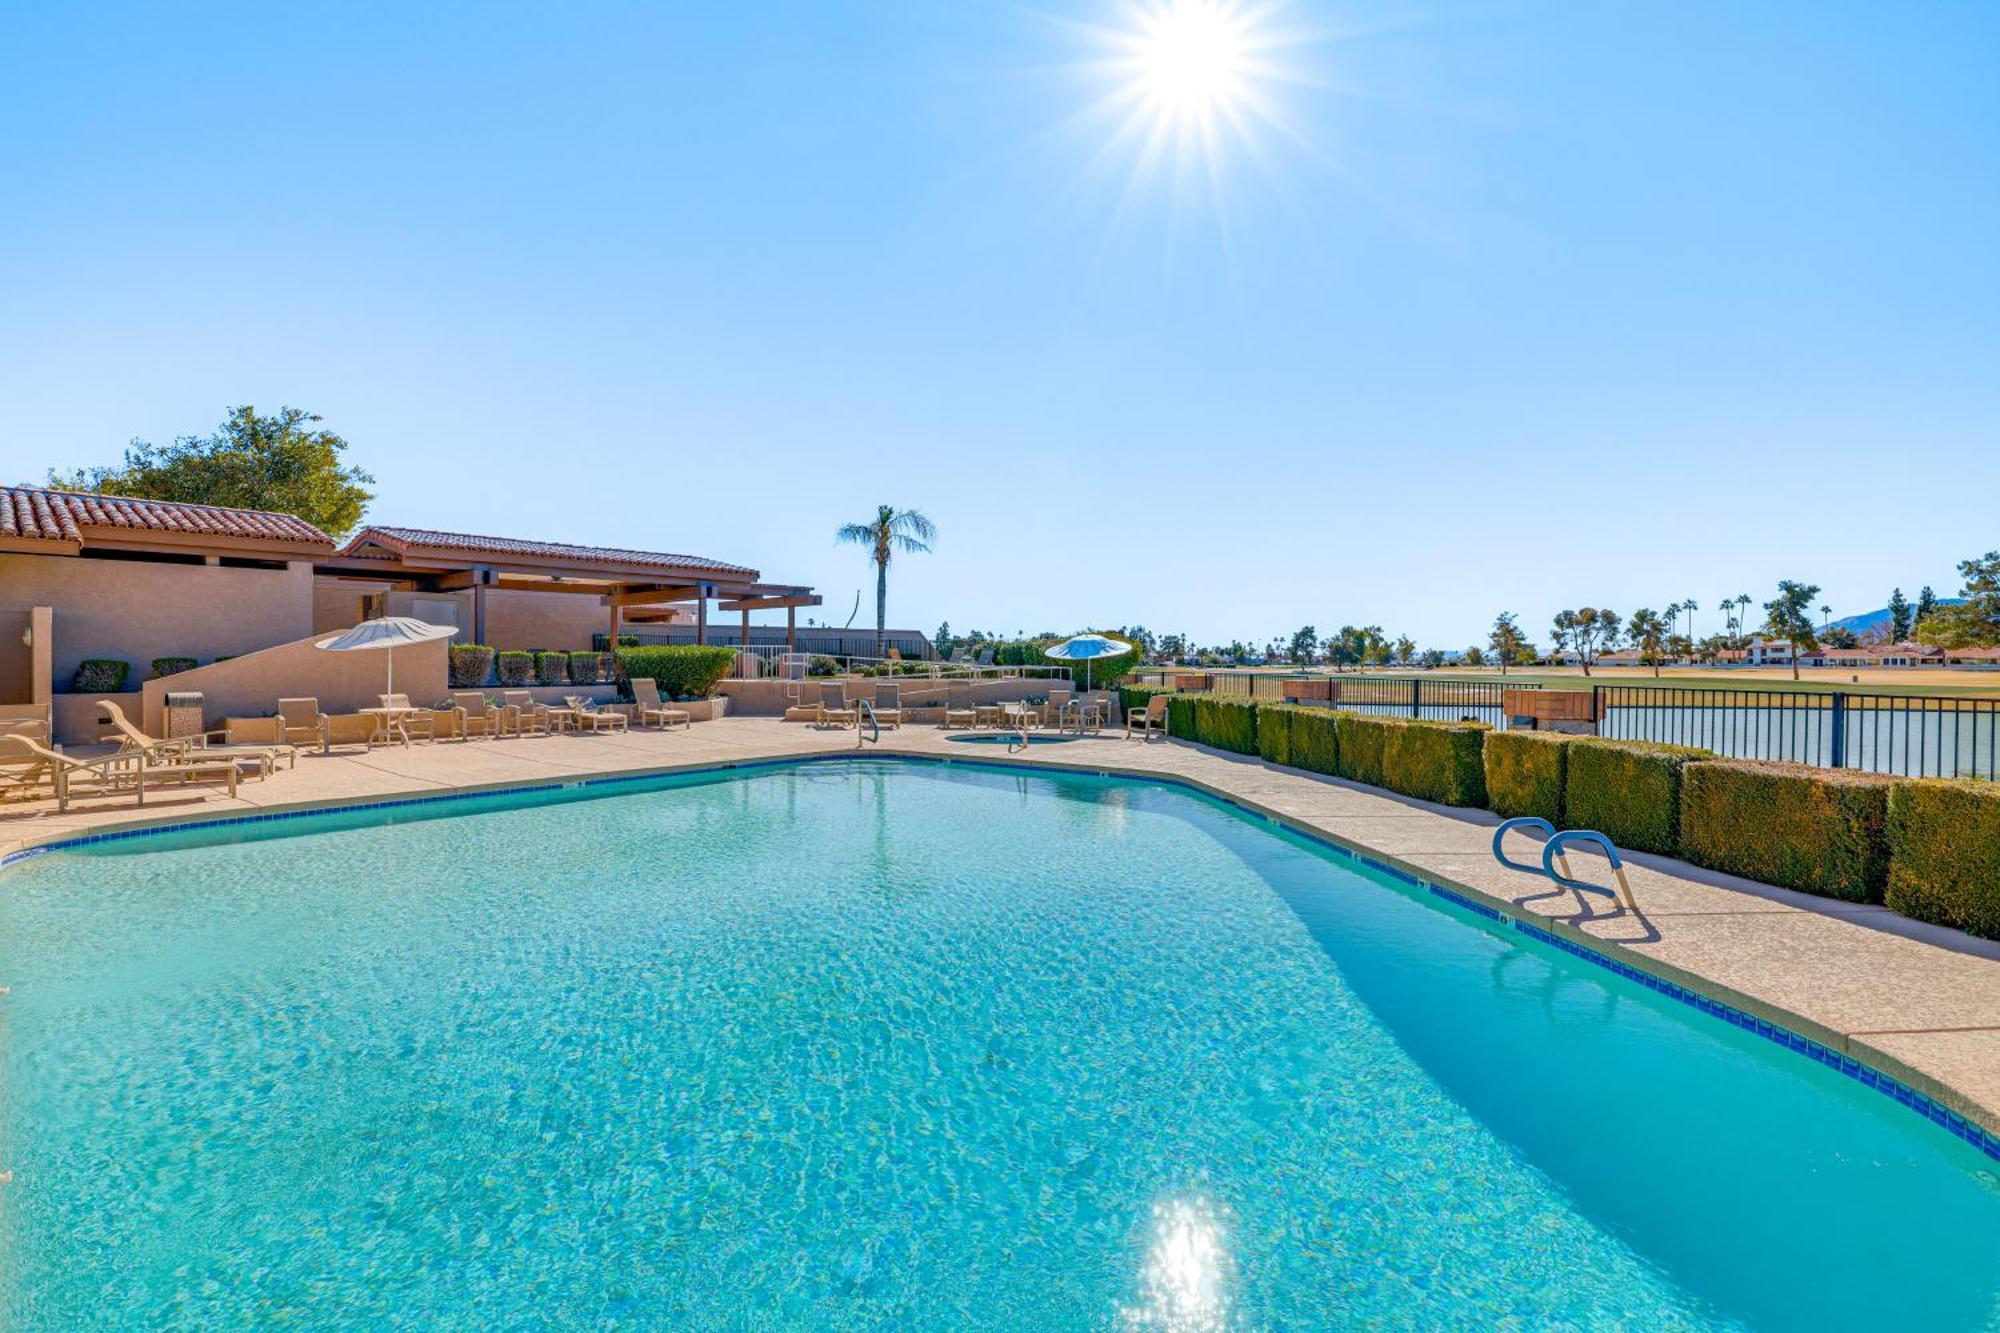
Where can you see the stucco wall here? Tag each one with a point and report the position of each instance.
(513, 619)
(17, 660)
(139, 610)
(342, 682)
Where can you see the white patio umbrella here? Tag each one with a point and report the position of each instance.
(1086, 648)
(389, 633)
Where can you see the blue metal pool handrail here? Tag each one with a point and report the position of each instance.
(1554, 856)
(1552, 851)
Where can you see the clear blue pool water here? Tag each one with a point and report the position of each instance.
(878, 1045)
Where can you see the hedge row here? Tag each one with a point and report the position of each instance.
(1929, 847)
(681, 670)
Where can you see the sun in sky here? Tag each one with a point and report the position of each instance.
(1187, 90)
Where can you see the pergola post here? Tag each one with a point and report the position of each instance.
(791, 629)
(611, 644)
(745, 644)
(479, 613)
(701, 614)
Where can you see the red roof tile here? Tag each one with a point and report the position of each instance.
(467, 544)
(31, 513)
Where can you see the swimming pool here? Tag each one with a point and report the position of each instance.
(869, 1043)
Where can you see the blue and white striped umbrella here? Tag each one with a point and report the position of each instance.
(1086, 648)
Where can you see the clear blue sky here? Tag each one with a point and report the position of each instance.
(1528, 305)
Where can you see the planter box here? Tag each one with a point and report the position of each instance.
(1297, 691)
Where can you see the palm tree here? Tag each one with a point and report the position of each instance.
(891, 531)
(1690, 607)
(1825, 615)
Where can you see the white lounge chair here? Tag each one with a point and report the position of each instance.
(188, 749)
(653, 709)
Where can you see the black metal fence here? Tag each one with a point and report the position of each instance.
(1910, 735)
(1925, 735)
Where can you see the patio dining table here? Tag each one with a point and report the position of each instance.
(390, 722)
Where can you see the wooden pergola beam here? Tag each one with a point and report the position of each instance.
(772, 603)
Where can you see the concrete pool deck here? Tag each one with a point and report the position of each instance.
(1917, 1002)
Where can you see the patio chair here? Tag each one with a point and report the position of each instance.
(477, 715)
(417, 722)
(653, 709)
(525, 714)
(1148, 722)
(188, 748)
(958, 709)
(1052, 712)
(124, 770)
(834, 710)
(889, 704)
(302, 721)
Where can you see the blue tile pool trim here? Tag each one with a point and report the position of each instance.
(1895, 1089)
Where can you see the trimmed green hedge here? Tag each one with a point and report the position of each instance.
(1363, 740)
(99, 675)
(1105, 672)
(681, 670)
(1226, 724)
(470, 665)
(1274, 733)
(1944, 845)
(552, 668)
(1819, 830)
(1525, 773)
(1180, 716)
(171, 666)
(1315, 738)
(1135, 697)
(1630, 791)
(1436, 761)
(587, 668)
(516, 669)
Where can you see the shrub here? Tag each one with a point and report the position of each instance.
(1362, 741)
(168, 666)
(471, 664)
(1630, 791)
(1314, 739)
(1944, 841)
(1526, 773)
(1105, 672)
(1274, 732)
(1133, 697)
(515, 669)
(681, 670)
(1436, 761)
(100, 675)
(587, 668)
(1820, 830)
(1180, 716)
(1226, 724)
(552, 668)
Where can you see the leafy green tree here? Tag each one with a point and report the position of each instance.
(1647, 632)
(1352, 646)
(1788, 616)
(941, 641)
(1507, 641)
(1585, 632)
(1303, 650)
(277, 463)
(1901, 621)
(1974, 622)
(1926, 607)
(890, 531)
(1431, 658)
(1839, 636)
(1475, 656)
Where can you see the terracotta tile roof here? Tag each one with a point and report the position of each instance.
(467, 544)
(32, 513)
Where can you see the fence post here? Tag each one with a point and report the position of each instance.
(1416, 698)
(1839, 746)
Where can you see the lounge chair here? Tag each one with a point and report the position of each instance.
(653, 709)
(589, 717)
(1148, 722)
(834, 710)
(958, 708)
(525, 714)
(888, 704)
(190, 748)
(125, 770)
(477, 715)
(302, 721)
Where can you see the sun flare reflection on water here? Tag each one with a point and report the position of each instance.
(1184, 1287)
